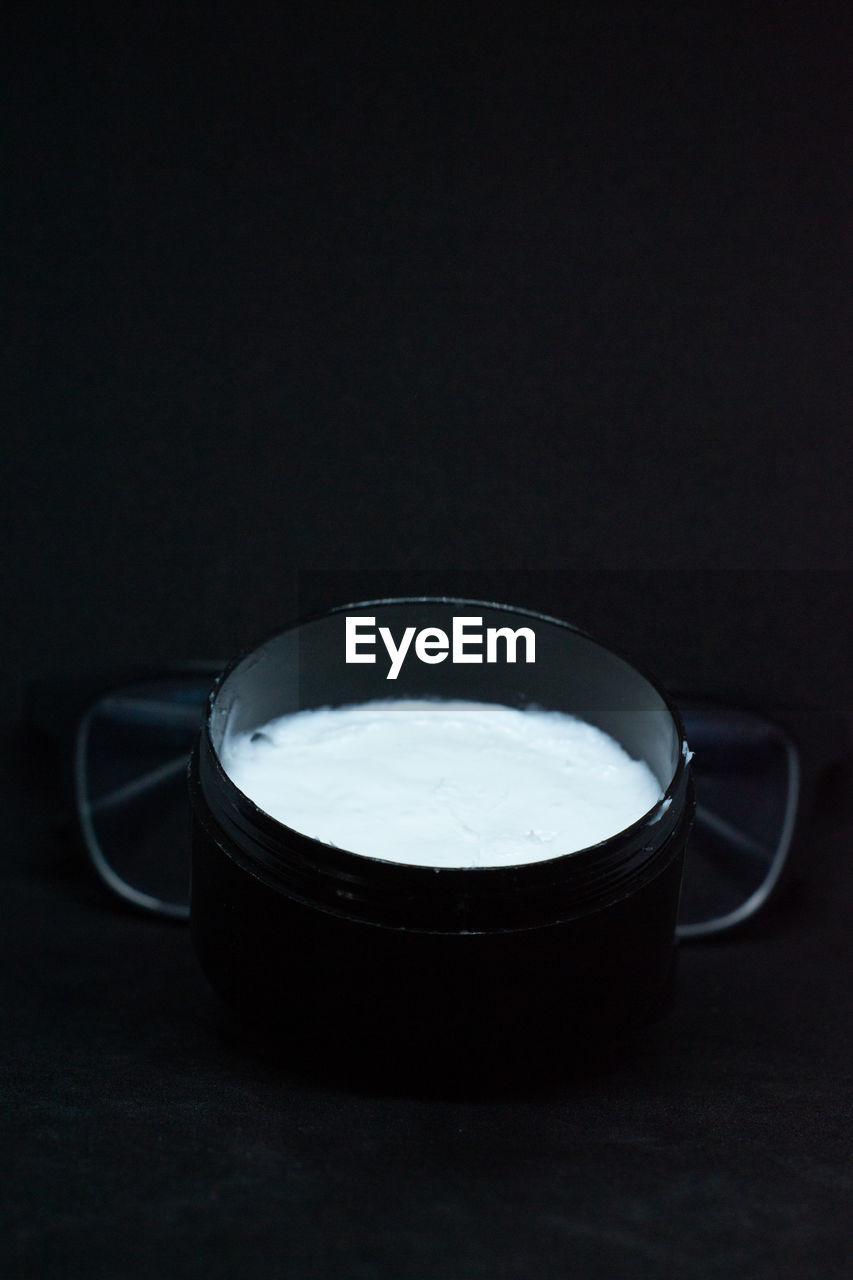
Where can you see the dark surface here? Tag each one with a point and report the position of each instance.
(551, 307)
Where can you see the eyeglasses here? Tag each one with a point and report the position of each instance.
(129, 745)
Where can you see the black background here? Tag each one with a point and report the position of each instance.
(313, 302)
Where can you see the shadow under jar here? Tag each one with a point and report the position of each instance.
(356, 962)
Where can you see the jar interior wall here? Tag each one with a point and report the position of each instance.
(305, 667)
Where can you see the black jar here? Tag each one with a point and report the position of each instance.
(356, 961)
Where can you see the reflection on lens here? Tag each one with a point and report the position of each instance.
(134, 761)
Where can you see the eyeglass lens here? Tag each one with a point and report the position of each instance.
(135, 749)
(746, 776)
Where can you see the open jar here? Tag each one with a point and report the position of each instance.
(378, 962)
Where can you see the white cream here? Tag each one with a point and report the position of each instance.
(442, 784)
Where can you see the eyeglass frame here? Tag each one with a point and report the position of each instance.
(61, 711)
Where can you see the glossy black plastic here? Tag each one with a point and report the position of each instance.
(360, 958)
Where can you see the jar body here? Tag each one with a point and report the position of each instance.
(374, 996)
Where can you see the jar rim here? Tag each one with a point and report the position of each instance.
(456, 899)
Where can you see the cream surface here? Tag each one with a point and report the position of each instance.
(442, 784)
